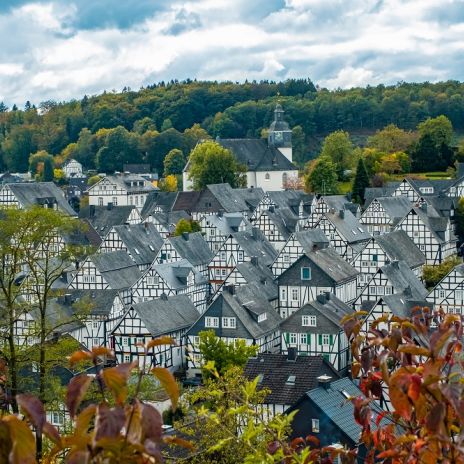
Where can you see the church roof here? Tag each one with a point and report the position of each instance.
(257, 155)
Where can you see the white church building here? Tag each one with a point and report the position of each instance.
(269, 163)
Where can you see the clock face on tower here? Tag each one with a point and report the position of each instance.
(278, 136)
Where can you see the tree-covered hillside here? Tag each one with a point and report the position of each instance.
(111, 129)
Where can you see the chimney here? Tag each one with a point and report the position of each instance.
(220, 213)
(423, 207)
(185, 236)
(314, 247)
(332, 210)
(271, 208)
(164, 297)
(92, 210)
(109, 206)
(291, 354)
(255, 233)
(324, 381)
(145, 224)
(321, 298)
(230, 289)
(254, 260)
(67, 299)
(327, 296)
(341, 213)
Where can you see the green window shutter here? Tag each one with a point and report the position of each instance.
(330, 340)
(308, 337)
(286, 337)
(320, 339)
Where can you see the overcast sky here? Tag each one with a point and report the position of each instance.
(63, 49)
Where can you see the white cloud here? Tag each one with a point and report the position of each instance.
(336, 43)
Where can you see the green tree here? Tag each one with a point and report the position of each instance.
(194, 135)
(86, 149)
(48, 170)
(391, 139)
(187, 225)
(299, 145)
(224, 355)
(18, 146)
(432, 274)
(439, 129)
(210, 163)
(321, 176)
(143, 125)
(167, 124)
(425, 156)
(174, 162)
(93, 180)
(338, 147)
(41, 165)
(159, 145)
(168, 184)
(361, 182)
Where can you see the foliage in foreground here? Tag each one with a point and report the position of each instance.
(433, 274)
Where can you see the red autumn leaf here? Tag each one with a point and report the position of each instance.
(78, 356)
(169, 383)
(414, 387)
(355, 368)
(179, 442)
(362, 411)
(116, 378)
(314, 440)
(273, 447)
(434, 419)
(399, 384)
(52, 433)
(109, 422)
(151, 423)
(160, 341)
(102, 351)
(414, 350)
(297, 443)
(380, 416)
(34, 410)
(76, 392)
(367, 356)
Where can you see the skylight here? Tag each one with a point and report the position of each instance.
(291, 380)
(345, 394)
(151, 247)
(137, 252)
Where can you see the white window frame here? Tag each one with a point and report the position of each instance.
(211, 322)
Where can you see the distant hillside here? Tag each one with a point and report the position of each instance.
(159, 118)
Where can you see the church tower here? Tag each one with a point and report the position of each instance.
(280, 135)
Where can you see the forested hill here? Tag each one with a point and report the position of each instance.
(162, 117)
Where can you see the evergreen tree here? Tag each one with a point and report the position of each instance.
(361, 182)
(48, 172)
(425, 156)
(3, 107)
(174, 162)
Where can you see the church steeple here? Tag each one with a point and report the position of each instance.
(280, 134)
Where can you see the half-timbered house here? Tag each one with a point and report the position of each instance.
(314, 273)
(432, 233)
(166, 316)
(239, 313)
(315, 330)
(141, 242)
(297, 245)
(120, 190)
(390, 279)
(165, 223)
(383, 249)
(176, 278)
(191, 247)
(383, 214)
(346, 234)
(287, 377)
(239, 248)
(326, 203)
(25, 195)
(448, 294)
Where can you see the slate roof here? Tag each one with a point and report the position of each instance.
(284, 219)
(251, 196)
(348, 226)
(175, 274)
(167, 315)
(435, 223)
(33, 193)
(370, 193)
(142, 241)
(340, 202)
(289, 198)
(395, 207)
(327, 308)
(117, 268)
(164, 200)
(227, 223)
(402, 278)
(443, 204)
(124, 182)
(312, 237)
(401, 304)
(334, 404)
(275, 369)
(246, 304)
(255, 272)
(228, 198)
(103, 218)
(169, 220)
(193, 248)
(257, 155)
(400, 247)
(100, 301)
(255, 244)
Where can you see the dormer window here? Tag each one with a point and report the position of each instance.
(262, 317)
(267, 176)
(291, 380)
(305, 273)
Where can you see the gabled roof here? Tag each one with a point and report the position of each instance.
(124, 182)
(403, 279)
(192, 247)
(328, 309)
(284, 219)
(226, 223)
(257, 155)
(255, 272)
(274, 371)
(435, 223)
(165, 200)
(36, 193)
(255, 244)
(370, 193)
(348, 226)
(103, 218)
(166, 315)
(175, 274)
(100, 301)
(402, 305)
(339, 202)
(117, 268)
(227, 197)
(311, 238)
(251, 196)
(395, 207)
(142, 241)
(400, 247)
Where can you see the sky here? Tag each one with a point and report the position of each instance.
(64, 49)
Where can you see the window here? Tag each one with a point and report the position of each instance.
(115, 201)
(459, 295)
(217, 273)
(283, 294)
(262, 317)
(224, 272)
(303, 339)
(212, 232)
(95, 324)
(286, 258)
(125, 341)
(127, 358)
(89, 278)
(57, 418)
(229, 322)
(305, 273)
(375, 258)
(441, 294)
(240, 255)
(223, 255)
(325, 340)
(196, 340)
(308, 321)
(292, 338)
(100, 201)
(96, 342)
(152, 280)
(267, 176)
(315, 425)
(295, 294)
(211, 322)
(388, 290)
(291, 380)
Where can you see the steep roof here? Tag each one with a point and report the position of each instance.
(36, 193)
(228, 198)
(192, 247)
(402, 305)
(284, 220)
(309, 238)
(257, 155)
(103, 218)
(117, 268)
(403, 279)
(175, 274)
(255, 272)
(400, 247)
(251, 196)
(330, 262)
(227, 223)
(370, 193)
(255, 244)
(100, 301)
(348, 226)
(165, 200)
(274, 371)
(165, 315)
(395, 207)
